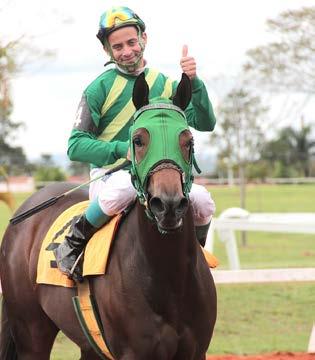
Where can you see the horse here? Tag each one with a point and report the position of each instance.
(157, 299)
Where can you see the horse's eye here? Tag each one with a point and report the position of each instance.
(138, 142)
(189, 143)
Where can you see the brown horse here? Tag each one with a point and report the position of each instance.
(157, 300)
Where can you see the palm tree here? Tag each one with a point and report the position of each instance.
(293, 148)
(303, 147)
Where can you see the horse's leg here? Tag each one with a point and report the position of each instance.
(90, 355)
(32, 330)
(7, 344)
(34, 337)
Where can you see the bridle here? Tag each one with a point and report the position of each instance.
(184, 167)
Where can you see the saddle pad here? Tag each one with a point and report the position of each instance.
(96, 251)
(211, 260)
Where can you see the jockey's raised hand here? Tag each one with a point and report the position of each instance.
(188, 63)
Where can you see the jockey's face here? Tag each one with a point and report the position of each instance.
(124, 45)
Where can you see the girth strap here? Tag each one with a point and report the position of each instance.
(87, 314)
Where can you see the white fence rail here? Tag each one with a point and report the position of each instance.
(263, 275)
(236, 219)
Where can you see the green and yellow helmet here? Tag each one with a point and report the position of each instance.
(115, 18)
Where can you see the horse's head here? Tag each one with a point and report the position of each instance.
(161, 151)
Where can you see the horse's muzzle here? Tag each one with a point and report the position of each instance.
(168, 212)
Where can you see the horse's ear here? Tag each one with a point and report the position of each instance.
(183, 93)
(140, 94)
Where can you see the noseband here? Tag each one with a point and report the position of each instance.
(165, 165)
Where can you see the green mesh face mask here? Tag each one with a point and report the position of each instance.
(164, 123)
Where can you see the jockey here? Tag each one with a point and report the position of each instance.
(100, 133)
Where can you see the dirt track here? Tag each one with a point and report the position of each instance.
(274, 356)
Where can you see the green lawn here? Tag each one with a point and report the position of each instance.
(5, 212)
(263, 318)
(267, 198)
(253, 318)
(270, 250)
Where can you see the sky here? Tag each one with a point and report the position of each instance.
(46, 94)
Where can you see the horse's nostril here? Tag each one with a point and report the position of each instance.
(156, 205)
(182, 206)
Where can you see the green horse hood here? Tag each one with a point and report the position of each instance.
(164, 121)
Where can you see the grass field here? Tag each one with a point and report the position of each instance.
(253, 318)
(270, 250)
(262, 318)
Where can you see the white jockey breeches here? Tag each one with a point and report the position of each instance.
(115, 192)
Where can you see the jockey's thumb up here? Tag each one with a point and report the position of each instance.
(188, 63)
(184, 51)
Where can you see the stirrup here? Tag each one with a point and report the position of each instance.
(71, 272)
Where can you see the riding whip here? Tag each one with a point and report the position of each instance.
(44, 205)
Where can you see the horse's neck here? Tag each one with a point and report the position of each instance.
(171, 255)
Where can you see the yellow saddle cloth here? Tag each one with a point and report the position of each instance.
(96, 252)
(95, 255)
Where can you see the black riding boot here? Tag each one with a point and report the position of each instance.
(69, 250)
(201, 233)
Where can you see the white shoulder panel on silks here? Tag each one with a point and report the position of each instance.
(202, 204)
(114, 192)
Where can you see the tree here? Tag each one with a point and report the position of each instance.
(287, 64)
(15, 53)
(304, 148)
(293, 149)
(9, 155)
(77, 168)
(239, 134)
(48, 171)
